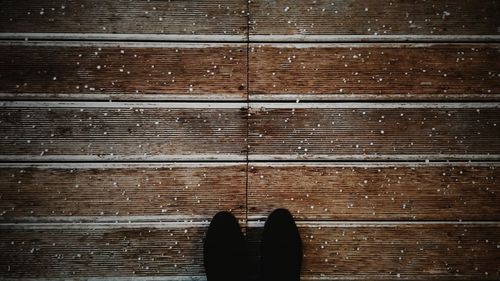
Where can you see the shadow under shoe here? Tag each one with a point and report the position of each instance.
(281, 253)
(224, 250)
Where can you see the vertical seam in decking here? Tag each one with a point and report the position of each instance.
(247, 119)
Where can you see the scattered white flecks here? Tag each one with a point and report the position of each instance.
(286, 9)
(98, 67)
(54, 78)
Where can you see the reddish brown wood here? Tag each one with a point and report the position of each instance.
(377, 191)
(402, 71)
(415, 252)
(101, 252)
(359, 131)
(142, 17)
(380, 17)
(104, 131)
(122, 71)
(361, 251)
(97, 192)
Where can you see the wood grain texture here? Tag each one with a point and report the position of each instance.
(353, 252)
(375, 191)
(121, 131)
(117, 192)
(150, 17)
(362, 131)
(375, 71)
(101, 252)
(381, 17)
(398, 251)
(122, 71)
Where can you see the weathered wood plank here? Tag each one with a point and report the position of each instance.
(385, 251)
(122, 70)
(360, 251)
(120, 192)
(375, 71)
(141, 17)
(91, 251)
(122, 131)
(376, 191)
(381, 17)
(362, 131)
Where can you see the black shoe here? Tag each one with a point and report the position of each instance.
(281, 254)
(224, 251)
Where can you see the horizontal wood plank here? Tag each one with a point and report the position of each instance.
(120, 192)
(381, 17)
(360, 251)
(364, 131)
(141, 17)
(122, 71)
(374, 71)
(101, 252)
(121, 131)
(376, 191)
(385, 251)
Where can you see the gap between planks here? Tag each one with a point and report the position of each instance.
(252, 105)
(250, 224)
(245, 38)
(126, 165)
(203, 278)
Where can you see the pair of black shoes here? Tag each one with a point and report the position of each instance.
(226, 257)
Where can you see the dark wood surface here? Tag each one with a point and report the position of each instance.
(350, 131)
(375, 251)
(381, 17)
(117, 131)
(374, 71)
(434, 251)
(121, 192)
(125, 125)
(139, 17)
(93, 251)
(122, 71)
(375, 191)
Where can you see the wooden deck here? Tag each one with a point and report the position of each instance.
(126, 125)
